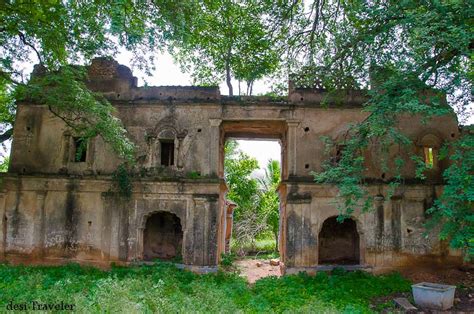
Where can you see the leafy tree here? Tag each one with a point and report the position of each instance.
(257, 199)
(454, 209)
(238, 168)
(243, 189)
(229, 39)
(58, 33)
(402, 50)
(269, 201)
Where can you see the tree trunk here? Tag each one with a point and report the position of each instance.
(228, 77)
(249, 88)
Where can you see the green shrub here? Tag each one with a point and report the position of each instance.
(227, 259)
(163, 288)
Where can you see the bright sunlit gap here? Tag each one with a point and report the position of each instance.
(253, 175)
(168, 73)
(263, 151)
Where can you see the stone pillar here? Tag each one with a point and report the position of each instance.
(106, 228)
(124, 230)
(301, 235)
(151, 159)
(396, 224)
(3, 227)
(387, 221)
(40, 228)
(291, 146)
(214, 146)
(90, 155)
(199, 231)
(179, 148)
(136, 232)
(379, 219)
(66, 150)
(204, 230)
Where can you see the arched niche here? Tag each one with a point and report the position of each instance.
(339, 242)
(162, 236)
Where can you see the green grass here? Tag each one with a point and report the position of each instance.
(163, 288)
(265, 244)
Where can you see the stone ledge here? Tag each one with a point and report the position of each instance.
(194, 268)
(314, 269)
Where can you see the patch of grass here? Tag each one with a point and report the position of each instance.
(263, 256)
(265, 244)
(164, 288)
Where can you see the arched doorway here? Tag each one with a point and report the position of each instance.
(339, 242)
(162, 237)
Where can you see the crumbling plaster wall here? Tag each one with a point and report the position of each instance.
(391, 234)
(54, 218)
(59, 209)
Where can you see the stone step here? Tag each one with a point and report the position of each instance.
(404, 304)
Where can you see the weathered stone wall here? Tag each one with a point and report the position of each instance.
(55, 208)
(56, 218)
(391, 234)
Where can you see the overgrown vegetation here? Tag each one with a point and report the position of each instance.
(163, 288)
(257, 214)
(411, 55)
(122, 181)
(399, 49)
(227, 259)
(263, 244)
(454, 209)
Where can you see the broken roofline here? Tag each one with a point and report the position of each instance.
(117, 83)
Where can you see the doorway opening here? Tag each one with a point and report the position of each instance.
(339, 242)
(162, 237)
(252, 172)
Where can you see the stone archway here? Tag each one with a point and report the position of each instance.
(266, 130)
(339, 243)
(162, 236)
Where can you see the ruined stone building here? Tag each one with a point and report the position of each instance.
(57, 206)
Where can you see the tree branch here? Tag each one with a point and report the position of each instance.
(6, 135)
(23, 39)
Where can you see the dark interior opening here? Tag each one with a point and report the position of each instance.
(80, 150)
(163, 237)
(339, 242)
(167, 153)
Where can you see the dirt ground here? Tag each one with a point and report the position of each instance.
(452, 276)
(462, 278)
(250, 270)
